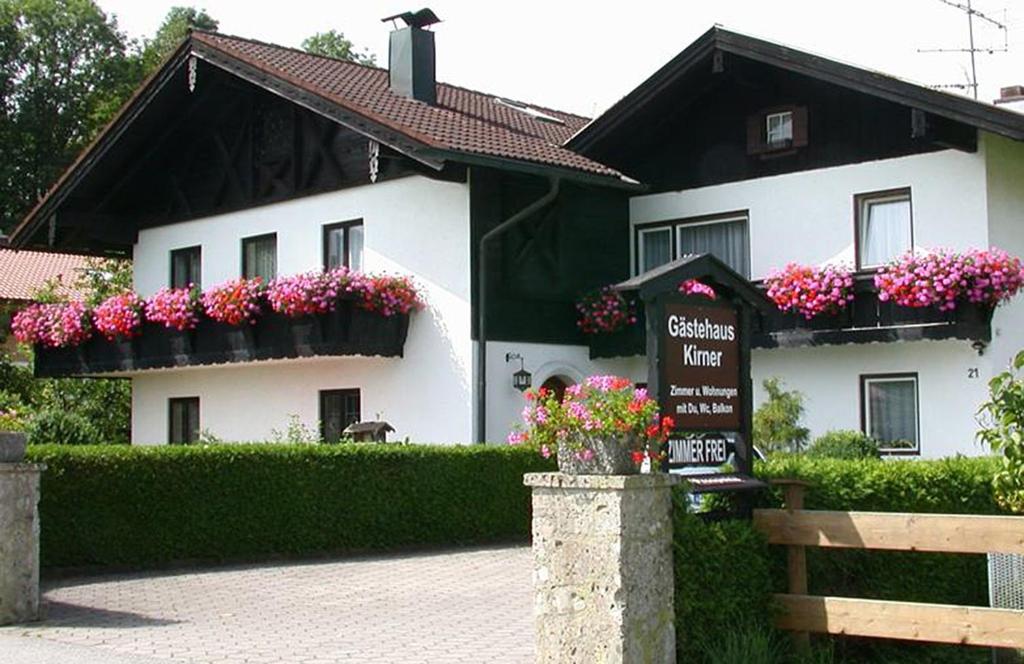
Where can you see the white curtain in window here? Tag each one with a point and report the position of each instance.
(355, 248)
(727, 241)
(656, 248)
(261, 258)
(893, 412)
(884, 231)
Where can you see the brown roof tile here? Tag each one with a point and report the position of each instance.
(461, 121)
(24, 272)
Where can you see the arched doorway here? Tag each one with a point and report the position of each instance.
(557, 384)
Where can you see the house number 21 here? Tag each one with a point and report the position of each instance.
(972, 372)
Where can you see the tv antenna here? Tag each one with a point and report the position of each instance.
(972, 49)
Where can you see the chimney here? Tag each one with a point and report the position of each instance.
(1011, 98)
(411, 56)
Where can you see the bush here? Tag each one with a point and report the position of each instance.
(61, 427)
(844, 444)
(723, 580)
(777, 420)
(957, 485)
(144, 506)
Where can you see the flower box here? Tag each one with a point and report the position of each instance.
(627, 342)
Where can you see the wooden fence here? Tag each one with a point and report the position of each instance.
(798, 528)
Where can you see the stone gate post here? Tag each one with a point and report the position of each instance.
(603, 574)
(19, 538)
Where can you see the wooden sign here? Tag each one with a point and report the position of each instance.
(695, 450)
(700, 367)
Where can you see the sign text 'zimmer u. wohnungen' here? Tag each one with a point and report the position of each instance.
(701, 367)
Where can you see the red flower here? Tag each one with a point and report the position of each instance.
(638, 457)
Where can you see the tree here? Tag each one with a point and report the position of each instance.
(65, 68)
(334, 45)
(177, 23)
(1002, 428)
(777, 421)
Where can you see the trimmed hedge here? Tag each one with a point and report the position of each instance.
(145, 506)
(954, 486)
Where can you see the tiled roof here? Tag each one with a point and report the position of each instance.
(24, 272)
(461, 121)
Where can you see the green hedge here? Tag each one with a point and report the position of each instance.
(956, 485)
(143, 506)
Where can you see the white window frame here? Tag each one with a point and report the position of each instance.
(659, 228)
(866, 382)
(784, 140)
(863, 203)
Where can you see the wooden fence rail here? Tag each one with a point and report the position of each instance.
(797, 529)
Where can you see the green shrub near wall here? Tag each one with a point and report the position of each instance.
(144, 506)
(952, 486)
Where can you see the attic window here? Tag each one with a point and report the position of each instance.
(532, 112)
(777, 131)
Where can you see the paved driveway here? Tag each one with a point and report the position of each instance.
(457, 606)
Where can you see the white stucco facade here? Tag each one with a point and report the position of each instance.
(413, 226)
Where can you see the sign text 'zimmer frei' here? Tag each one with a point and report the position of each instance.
(700, 386)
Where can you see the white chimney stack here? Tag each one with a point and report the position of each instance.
(1011, 98)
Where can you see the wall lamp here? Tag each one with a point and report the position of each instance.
(521, 379)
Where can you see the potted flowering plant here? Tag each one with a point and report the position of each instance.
(61, 325)
(601, 427)
(611, 323)
(234, 302)
(811, 291)
(175, 308)
(119, 317)
(694, 287)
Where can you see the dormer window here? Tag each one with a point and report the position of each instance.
(779, 129)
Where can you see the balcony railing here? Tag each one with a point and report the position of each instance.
(866, 320)
(349, 330)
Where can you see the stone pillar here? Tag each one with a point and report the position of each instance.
(603, 581)
(19, 542)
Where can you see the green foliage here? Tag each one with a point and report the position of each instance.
(723, 579)
(60, 427)
(334, 45)
(65, 68)
(143, 506)
(296, 432)
(174, 29)
(747, 645)
(777, 421)
(1002, 419)
(954, 486)
(102, 278)
(844, 444)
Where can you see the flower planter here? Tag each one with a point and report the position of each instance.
(12, 447)
(611, 456)
(180, 345)
(307, 334)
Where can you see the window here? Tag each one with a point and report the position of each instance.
(183, 420)
(725, 236)
(343, 245)
(884, 227)
(726, 239)
(259, 257)
(779, 129)
(338, 409)
(186, 267)
(889, 410)
(655, 248)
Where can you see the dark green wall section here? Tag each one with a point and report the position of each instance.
(539, 268)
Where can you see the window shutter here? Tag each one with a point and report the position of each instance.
(799, 126)
(755, 133)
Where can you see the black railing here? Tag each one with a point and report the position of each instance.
(349, 330)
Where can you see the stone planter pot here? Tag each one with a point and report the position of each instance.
(12, 447)
(612, 456)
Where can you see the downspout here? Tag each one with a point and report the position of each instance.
(481, 346)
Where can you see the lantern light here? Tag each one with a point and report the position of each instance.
(522, 379)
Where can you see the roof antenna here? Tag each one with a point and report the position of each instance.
(972, 49)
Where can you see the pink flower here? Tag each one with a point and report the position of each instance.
(53, 325)
(119, 316)
(604, 310)
(694, 287)
(176, 308)
(234, 302)
(811, 291)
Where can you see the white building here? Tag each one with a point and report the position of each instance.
(246, 158)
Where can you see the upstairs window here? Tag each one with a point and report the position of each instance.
(724, 236)
(726, 239)
(186, 267)
(259, 257)
(889, 410)
(779, 129)
(343, 245)
(183, 420)
(338, 409)
(884, 227)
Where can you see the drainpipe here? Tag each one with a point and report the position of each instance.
(481, 346)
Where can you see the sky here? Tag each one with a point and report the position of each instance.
(583, 56)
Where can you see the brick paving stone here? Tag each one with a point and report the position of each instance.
(454, 606)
